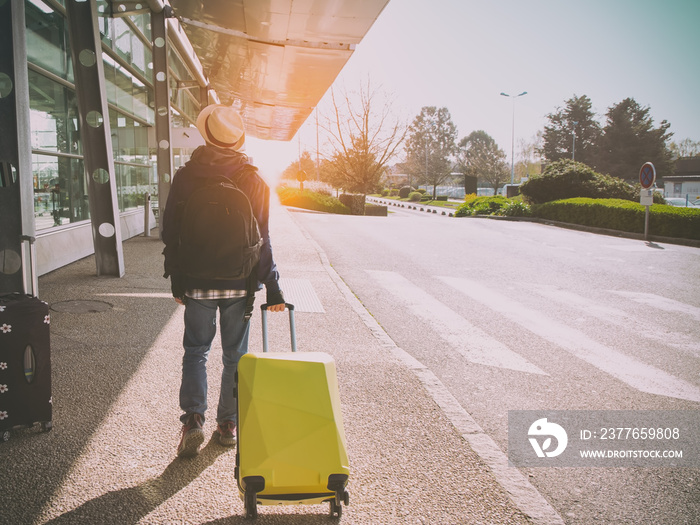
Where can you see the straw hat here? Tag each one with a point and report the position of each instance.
(221, 126)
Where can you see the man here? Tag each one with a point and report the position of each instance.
(224, 134)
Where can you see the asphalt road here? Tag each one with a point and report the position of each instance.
(522, 316)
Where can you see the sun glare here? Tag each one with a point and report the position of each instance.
(271, 157)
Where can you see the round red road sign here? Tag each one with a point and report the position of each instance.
(647, 175)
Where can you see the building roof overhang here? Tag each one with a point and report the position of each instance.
(274, 59)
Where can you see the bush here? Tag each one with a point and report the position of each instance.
(310, 200)
(415, 196)
(403, 192)
(567, 179)
(623, 215)
(393, 192)
(515, 209)
(481, 206)
(441, 198)
(385, 192)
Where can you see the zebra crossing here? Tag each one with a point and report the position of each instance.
(478, 347)
(469, 340)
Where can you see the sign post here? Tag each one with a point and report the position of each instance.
(647, 178)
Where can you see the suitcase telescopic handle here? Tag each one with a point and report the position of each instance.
(30, 281)
(292, 327)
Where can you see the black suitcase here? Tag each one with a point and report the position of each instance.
(25, 364)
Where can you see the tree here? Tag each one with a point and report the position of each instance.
(364, 136)
(479, 156)
(630, 139)
(529, 160)
(430, 145)
(304, 164)
(558, 140)
(685, 148)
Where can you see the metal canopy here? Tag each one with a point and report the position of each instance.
(274, 59)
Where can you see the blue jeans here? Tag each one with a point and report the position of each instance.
(200, 329)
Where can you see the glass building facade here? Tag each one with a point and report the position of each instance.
(59, 178)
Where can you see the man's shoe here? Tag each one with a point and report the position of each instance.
(226, 432)
(192, 437)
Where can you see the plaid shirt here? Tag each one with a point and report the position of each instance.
(215, 294)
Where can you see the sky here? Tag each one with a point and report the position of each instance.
(461, 54)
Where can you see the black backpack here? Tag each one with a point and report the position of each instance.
(219, 234)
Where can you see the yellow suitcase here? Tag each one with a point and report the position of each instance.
(291, 442)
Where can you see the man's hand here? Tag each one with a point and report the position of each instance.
(177, 288)
(276, 307)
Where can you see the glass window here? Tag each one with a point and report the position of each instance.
(54, 121)
(122, 36)
(104, 21)
(142, 102)
(126, 91)
(133, 182)
(60, 191)
(141, 57)
(185, 97)
(134, 172)
(121, 42)
(143, 22)
(129, 139)
(47, 41)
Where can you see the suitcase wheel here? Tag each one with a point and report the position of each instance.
(251, 504)
(336, 504)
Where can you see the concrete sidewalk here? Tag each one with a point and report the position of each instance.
(116, 357)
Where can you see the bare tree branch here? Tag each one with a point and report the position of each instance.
(363, 137)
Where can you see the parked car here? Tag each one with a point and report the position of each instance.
(682, 202)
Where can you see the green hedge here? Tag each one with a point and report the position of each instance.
(623, 215)
(415, 196)
(376, 210)
(310, 200)
(567, 179)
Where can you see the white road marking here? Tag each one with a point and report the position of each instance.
(681, 341)
(470, 341)
(637, 374)
(662, 303)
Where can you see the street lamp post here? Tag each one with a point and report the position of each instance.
(512, 140)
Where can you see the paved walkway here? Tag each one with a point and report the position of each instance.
(116, 355)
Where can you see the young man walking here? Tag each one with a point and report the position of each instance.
(210, 286)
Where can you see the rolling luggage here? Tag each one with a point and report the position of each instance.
(291, 442)
(25, 363)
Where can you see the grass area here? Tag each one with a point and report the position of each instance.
(310, 200)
